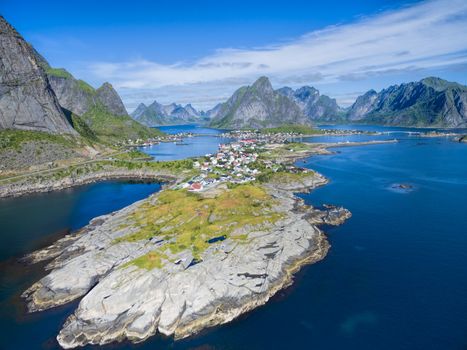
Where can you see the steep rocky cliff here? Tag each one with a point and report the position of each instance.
(27, 101)
(315, 106)
(97, 113)
(258, 106)
(79, 97)
(429, 102)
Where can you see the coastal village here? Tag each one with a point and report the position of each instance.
(230, 164)
(237, 162)
(175, 138)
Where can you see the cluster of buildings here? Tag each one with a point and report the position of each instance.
(262, 137)
(176, 138)
(232, 163)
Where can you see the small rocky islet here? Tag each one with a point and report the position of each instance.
(181, 261)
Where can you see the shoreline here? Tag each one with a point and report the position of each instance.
(17, 189)
(322, 247)
(59, 255)
(225, 311)
(398, 126)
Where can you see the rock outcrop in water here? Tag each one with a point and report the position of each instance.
(317, 107)
(185, 293)
(258, 106)
(430, 102)
(27, 101)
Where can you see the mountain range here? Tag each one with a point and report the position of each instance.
(36, 97)
(429, 102)
(157, 114)
(258, 106)
(315, 106)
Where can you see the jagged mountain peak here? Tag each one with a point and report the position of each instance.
(27, 100)
(157, 114)
(109, 97)
(307, 91)
(429, 102)
(257, 106)
(441, 84)
(263, 85)
(7, 29)
(315, 106)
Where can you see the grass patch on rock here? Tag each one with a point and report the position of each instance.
(13, 139)
(187, 221)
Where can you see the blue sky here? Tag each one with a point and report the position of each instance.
(201, 51)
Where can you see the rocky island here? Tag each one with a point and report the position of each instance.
(189, 257)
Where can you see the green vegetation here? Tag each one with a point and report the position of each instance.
(110, 128)
(297, 146)
(290, 128)
(85, 86)
(58, 72)
(188, 221)
(82, 128)
(286, 150)
(287, 177)
(13, 139)
(98, 124)
(226, 121)
(133, 154)
(177, 167)
(148, 261)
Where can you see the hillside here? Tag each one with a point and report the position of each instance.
(27, 101)
(48, 117)
(258, 106)
(96, 113)
(319, 108)
(430, 102)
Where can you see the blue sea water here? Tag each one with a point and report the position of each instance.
(31, 222)
(394, 278)
(191, 146)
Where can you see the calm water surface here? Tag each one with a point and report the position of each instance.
(191, 147)
(395, 277)
(34, 221)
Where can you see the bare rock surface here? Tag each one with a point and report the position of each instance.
(27, 101)
(122, 301)
(258, 106)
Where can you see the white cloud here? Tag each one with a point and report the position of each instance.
(424, 36)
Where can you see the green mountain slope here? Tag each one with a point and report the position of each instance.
(100, 109)
(430, 102)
